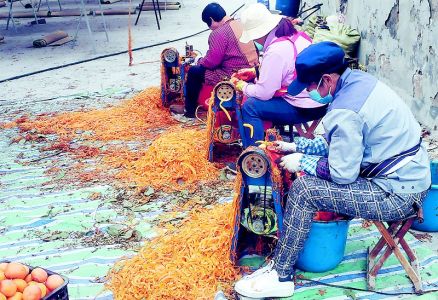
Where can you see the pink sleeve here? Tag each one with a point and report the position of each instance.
(217, 45)
(271, 76)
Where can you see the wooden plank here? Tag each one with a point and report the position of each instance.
(62, 41)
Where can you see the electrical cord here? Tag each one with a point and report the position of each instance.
(108, 55)
(99, 57)
(197, 116)
(359, 289)
(199, 52)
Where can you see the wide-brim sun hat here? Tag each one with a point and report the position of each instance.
(257, 21)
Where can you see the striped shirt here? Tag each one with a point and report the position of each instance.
(226, 54)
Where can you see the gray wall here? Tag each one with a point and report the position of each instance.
(399, 46)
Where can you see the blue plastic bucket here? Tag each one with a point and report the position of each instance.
(430, 204)
(288, 8)
(430, 212)
(434, 171)
(325, 246)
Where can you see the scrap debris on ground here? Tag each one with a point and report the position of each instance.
(157, 174)
(156, 169)
(118, 142)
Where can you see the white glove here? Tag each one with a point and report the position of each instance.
(291, 162)
(285, 147)
(196, 60)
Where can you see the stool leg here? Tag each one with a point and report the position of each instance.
(10, 15)
(403, 243)
(373, 267)
(159, 9)
(381, 242)
(371, 275)
(408, 250)
(48, 5)
(156, 15)
(393, 247)
(104, 21)
(139, 12)
(418, 284)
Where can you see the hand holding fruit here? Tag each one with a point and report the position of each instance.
(238, 84)
(247, 74)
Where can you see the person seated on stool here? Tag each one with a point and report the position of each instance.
(225, 56)
(370, 164)
(267, 97)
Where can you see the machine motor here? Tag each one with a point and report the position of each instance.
(174, 68)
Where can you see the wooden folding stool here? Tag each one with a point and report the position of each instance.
(392, 237)
(306, 130)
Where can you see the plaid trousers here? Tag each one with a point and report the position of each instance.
(309, 194)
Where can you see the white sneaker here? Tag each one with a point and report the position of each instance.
(262, 270)
(183, 119)
(264, 283)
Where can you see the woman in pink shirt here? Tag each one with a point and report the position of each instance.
(267, 97)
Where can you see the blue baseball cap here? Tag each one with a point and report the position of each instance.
(314, 61)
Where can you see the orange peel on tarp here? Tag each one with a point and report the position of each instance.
(174, 161)
(129, 120)
(189, 262)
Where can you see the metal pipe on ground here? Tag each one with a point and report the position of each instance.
(110, 54)
(168, 7)
(68, 13)
(162, 4)
(119, 11)
(20, 15)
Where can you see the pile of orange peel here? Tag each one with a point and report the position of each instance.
(174, 161)
(130, 120)
(190, 262)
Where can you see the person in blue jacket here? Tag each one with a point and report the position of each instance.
(369, 164)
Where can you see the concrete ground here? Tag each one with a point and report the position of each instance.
(19, 57)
